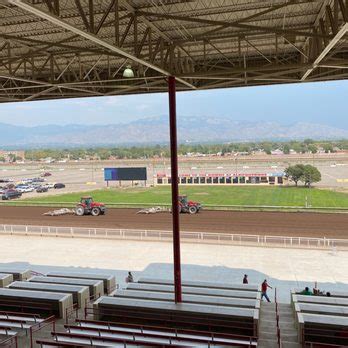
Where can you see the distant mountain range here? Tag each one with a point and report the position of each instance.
(155, 131)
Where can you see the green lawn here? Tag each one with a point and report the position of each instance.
(214, 195)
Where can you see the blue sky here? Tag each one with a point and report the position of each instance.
(323, 103)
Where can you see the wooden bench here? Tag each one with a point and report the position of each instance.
(202, 284)
(18, 274)
(196, 291)
(80, 294)
(190, 339)
(5, 279)
(167, 332)
(28, 317)
(64, 339)
(333, 301)
(46, 303)
(240, 321)
(321, 309)
(323, 329)
(109, 281)
(196, 299)
(96, 287)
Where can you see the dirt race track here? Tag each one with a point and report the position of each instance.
(269, 223)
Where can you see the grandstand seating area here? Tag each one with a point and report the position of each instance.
(96, 287)
(321, 320)
(58, 313)
(100, 333)
(108, 280)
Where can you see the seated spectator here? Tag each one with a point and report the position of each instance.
(245, 279)
(129, 278)
(328, 294)
(306, 291)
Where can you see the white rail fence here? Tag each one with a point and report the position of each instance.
(189, 237)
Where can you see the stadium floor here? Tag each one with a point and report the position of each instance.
(261, 223)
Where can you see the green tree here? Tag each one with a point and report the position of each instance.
(286, 149)
(328, 148)
(308, 141)
(312, 148)
(310, 175)
(295, 173)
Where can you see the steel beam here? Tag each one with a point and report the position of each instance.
(192, 19)
(175, 188)
(91, 37)
(326, 50)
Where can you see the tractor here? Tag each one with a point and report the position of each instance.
(186, 206)
(88, 207)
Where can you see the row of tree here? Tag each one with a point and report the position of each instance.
(305, 173)
(135, 152)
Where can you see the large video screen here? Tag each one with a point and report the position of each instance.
(125, 174)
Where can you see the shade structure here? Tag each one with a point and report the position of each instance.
(66, 49)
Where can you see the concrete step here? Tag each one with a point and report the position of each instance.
(290, 345)
(286, 311)
(268, 316)
(266, 324)
(287, 314)
(289, 336)
(268, 334)
(286, 322)
(269, 331)
(267, 343)
(265, 304)
(288, 331)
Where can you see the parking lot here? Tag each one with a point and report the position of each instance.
(86, 176)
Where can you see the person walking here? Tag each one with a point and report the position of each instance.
(245, 279)
(264, 287)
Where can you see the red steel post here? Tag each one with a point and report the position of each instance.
(175, 188)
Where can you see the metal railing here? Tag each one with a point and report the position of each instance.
(10, 342)
(186, 237)
(279, 340)
(50, 321)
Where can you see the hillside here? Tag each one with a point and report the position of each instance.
(155, 131)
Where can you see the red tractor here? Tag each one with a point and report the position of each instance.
(186, 206)
(88, 207)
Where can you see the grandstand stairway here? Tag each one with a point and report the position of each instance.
(268, 326)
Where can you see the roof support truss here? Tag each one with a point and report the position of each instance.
(93, 38)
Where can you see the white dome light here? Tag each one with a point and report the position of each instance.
(128, 72)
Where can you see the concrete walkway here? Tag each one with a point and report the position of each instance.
(284, 268)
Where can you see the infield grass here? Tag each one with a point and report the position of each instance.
(212, 196)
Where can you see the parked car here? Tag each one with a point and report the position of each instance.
(41, 189)
(58, 185)
(46, 174)
(38, 180)
(48, 185)
(11, 194)
(24, 188)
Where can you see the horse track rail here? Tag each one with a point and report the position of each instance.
(186, 237)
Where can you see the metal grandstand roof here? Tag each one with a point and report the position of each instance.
(74, 48)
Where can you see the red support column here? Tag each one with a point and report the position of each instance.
(175, 188)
